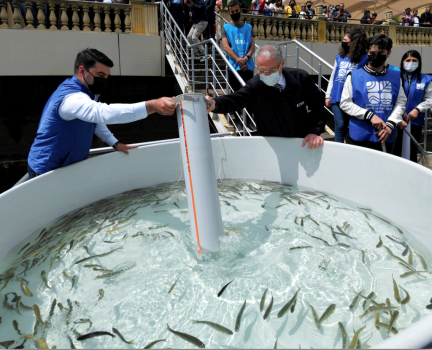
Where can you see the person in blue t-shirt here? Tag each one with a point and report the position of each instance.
(418, 90)
(352, 55)
(374, 98)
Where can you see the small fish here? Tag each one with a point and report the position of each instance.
(409, 273)
(37, 313)
(263, 300)
(72, 345)
(21, 346)
(189, 338)
(15, 325)
(405, 252)
(53, 305)
(87, 250)
(94, 334)
(344, 334)
(343, 233)
(223, 288)
(410, 257)
(44, 279)
(41, 343)
(328, 207)
(101, 294)
(25, 289)
(355, 339)
(301, 220)
(115, 229)
(92, 266)
(315, 316)
(368, 298)
(216, 326)
(24, 247)
(267, 313)
(116, 331)
(406, 299)
(378, 308)
(380, 243)
(7, 343)
(343, 245)
(392, 321)
(329, 311)
(72, 278)
(423, 262)
(288, 305)
(386, 327)
(370, 226)
(363, 257)
(429, 306)
(239, 316)
(98, 256)
(172, 287)
(150, 345)
(302, 247)
(396, 291)
(293, 307)
(322, 240)
(354, 303)
(275, 346)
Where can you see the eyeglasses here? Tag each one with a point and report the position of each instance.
(270, 71)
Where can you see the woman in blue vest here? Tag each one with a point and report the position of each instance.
(352, 55)
(418, 91)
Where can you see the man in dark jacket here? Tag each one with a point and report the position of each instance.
(199, 21)
(209, 33)
(285, 101)
(426, 18)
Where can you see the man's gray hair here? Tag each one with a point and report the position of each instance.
(270, 51)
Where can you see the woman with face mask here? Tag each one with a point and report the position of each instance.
(352, 55)
(418, 90)
(278, 8)
(292, 10)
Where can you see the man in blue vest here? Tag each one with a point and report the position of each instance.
(374, 98)
(73, 114)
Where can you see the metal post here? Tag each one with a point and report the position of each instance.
(206, 68)
(425, 130)
(214, 70)
(193, 69)
(161, 21)
(297, 56)
(244, 121)
(286, 55)
(227, 80)
(319, 77)
(188, 63)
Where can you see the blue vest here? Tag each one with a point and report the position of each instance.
(415, 94)
(377, 94)
(343, 67)
(240, 40)
(61, 142)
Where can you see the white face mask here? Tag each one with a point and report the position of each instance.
(270, 80)
(410, 66)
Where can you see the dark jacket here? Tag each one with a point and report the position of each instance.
(426, 17)
(210, 7)
(198, 11)
(282, 114)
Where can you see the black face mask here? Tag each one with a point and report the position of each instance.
(345, 46)
(99, 85)
(235, 16)
(309, 6)
(377, 60)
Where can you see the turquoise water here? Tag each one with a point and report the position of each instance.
(148, 232)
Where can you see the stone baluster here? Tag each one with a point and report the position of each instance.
(425, 37)
(97, 20)
(274, 30)
(292, 29)
(298, 30)
(409, 36)
(309, 32)
(29, 15)
(117, 21)
(255, 27)
(52, 17)
(337, 34)
(267, 30)
(414, 36)
(280, 30)
(127, 22)
(332, 33)
(64, 18)
(86, 19)
(16, 14)
(303, 31)
(285, 30)
(40, 15)
(315, 32)
(107, 20)
(3, 14)
(428, 37)
(75, 18)
(420, 37)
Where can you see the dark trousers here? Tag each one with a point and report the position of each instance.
(416, 132)
(377, 146)
(235, 84)
(176, 10)
(209, 32)
(186, 21)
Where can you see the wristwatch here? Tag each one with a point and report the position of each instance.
(115, 145)
(247, 56)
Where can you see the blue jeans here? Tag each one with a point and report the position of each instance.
(31, 172)
(341, 123)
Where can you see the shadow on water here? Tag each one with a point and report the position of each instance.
(281, 329)
(248, 331)
(300, 318)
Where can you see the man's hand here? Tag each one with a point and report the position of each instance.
(242, 61)
(413, 114)
(212, 106)
(314, 141)
(377, 122)
(328, 102)
(243, 67)
(121, 147)
(384, 134)
(162, 106)
(402, 125)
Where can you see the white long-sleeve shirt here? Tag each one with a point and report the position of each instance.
(353, 110)
(330, 84)
(426, 103)
(80, 106)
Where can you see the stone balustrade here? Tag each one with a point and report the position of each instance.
(86, 16)
(417, 36)
(335, 31)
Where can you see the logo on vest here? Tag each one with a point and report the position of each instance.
(240, 44)
(421, 86)
(344, 69)
(379, 92)
(300, 104)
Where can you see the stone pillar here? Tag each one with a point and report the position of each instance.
(319, 10)
(392, 26)
(322, 27)
(137, 17)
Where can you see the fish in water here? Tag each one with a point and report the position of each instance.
(239, 317)
(396, 291)
(343, 245)
(44, 279)
(37, 313)
(116, 331)
(216, 326)
(95, 334)
(406, 299)
(223, 288)
(24, 247)
(380, 243)
(354, 303)
(98, 256)
(15, 325)
(329, 311)
(344, 334)
(41, 343)
(72, 345)
(85, 320)
(25, 289)
(288, 305)
(101, 294)
(315, 316)
(392, 321)
(302, 247)
(7, 343)
(189, 338)
(151, 344)
(172, 287)
(423, 262)
(115, 229)
(263, 300)
(409, 273)
(269, 308)
(355, 339)
(72, 278)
